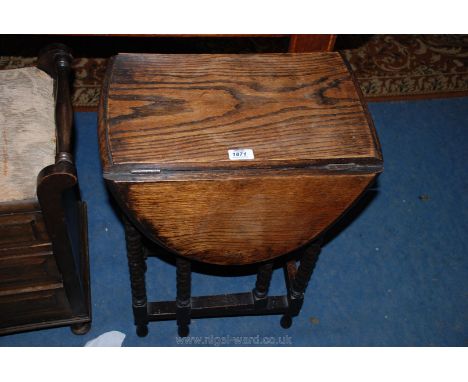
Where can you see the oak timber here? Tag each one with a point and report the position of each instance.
(166, 123)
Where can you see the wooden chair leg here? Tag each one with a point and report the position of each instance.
(137, 268)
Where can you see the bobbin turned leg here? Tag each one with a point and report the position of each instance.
(299, 283)
(137, 268)
(183, 300)
(262, 284)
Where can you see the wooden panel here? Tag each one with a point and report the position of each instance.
(21, 273)
(178, 111)
(22, 228)
(26, 205)
(33, 309)
(239, 221)
(300, 43)
(27, 250)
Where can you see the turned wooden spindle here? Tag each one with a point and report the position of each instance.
(262, 285)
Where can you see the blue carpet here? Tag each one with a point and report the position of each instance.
(395, 276)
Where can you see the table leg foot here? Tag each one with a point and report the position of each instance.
(142, 330)
(80, 329)
(183, 330)
(286, 321)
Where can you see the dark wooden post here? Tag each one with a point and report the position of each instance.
(183, 300)
(57, 186)
(262, 285)
(298, 284)
(56, 60)
(304, 272)
(137, 266)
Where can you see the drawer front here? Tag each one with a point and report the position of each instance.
(34, 308)
(23, 228)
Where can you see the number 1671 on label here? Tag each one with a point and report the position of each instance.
(241, 154)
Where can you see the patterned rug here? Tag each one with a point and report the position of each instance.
(386, 66)
(410, 66)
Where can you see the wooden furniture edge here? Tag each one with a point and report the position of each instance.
(365, 109)
(103, 138)
(54, 180)
(112, 171)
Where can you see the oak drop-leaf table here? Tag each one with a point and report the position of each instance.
(232, 160)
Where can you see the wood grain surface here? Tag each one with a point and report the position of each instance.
(186, 111)
(301, 43)
(166, 123)
(239, 221)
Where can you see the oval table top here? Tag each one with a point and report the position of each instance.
(235, 159)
